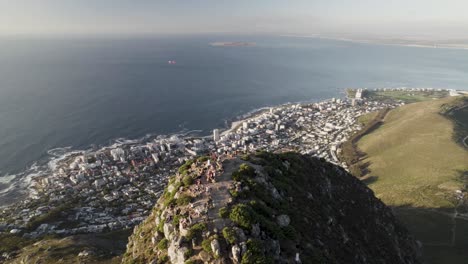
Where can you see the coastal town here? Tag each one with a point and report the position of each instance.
(114, 188)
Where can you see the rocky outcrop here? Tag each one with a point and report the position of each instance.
(283, 220)
(269, 208)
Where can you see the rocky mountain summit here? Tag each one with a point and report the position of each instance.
(269, 208)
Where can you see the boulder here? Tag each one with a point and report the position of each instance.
(256, 230)
(243, 247)
(240, 234)
(155, 238)
(273, 249)
(170, 188)
(275, 193)
(183, 231)
(236, 254)
(283, 220)
(168, 230)
(215, 247)
(204, 256)
(176, 253)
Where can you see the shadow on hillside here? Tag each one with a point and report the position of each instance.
(369, 179)
(442, 235)
(365, 167)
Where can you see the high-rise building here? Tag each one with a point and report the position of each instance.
(216, 135)
(359, 94)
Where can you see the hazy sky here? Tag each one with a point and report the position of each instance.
(419, 18)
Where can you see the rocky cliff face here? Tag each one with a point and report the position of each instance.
(269, 208)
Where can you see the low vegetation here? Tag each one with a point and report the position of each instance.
(163, 243)
(230, 235)
(196, 230)
(405, 96)
(187, 180)
(243, 216)
(10, 242)
(255, 253)
(206, 245)
(184, 199)
(414, 157)
(270, 211)
(416, 161)
(223, 212)
(184, 168)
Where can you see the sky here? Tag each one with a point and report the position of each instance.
(391, 18)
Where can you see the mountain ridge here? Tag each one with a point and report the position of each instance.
(269, 208)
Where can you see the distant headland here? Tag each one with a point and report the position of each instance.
(233, 44)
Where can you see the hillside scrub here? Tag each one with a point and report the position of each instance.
(284, 204)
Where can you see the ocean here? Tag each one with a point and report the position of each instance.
(63, 94)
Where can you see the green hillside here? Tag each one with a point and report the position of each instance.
(270, 208)
(415, 158)
(418, 165)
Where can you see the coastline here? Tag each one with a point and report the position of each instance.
(434, 45)
(130, 175)
(21, 184)
(22, 181)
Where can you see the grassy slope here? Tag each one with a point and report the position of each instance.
(406, 96)
(414, 157)
(417, 165)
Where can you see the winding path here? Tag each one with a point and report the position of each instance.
(219, 192)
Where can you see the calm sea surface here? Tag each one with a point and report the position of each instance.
(80, 92)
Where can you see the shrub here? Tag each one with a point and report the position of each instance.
(289, 232)
(184, 199)
(206, 245)
(196, 261)
(203, 159)
(172, 180)
(223, 212)
(271, 228)
(184, 168)
(176, 220)
(169, 196)
(9, 242)
(52, 216)
(247, 170)
(163, 244)
(187, 180)
(163, 259)
(169, 202)
(234, 193)
(244, 172)
(242, 215)
(245, 157)
(236, 176)
(255, 253)
(230, 235)
(261, 208)
(188, 254)
(195, 230)
(160, 226)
